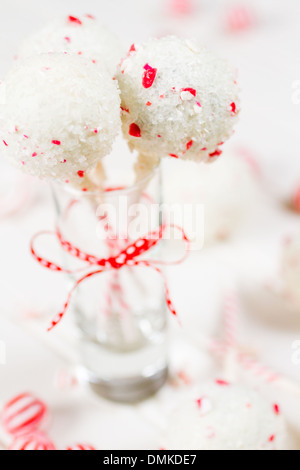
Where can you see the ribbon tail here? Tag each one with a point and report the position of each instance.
(169, 302)
(60, 316)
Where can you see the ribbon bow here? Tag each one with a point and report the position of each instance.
(126, 257)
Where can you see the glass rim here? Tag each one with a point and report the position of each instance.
(114, 191)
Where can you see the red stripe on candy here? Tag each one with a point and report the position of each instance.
(23, 413)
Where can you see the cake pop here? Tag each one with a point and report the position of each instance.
(60, 117)
(226, 417)
(177, 100)
(213, 187)
(79, 35)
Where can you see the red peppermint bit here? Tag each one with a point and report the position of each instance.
(189, 144)
(34, 154)
(96, 131)
(134, 130)
(204, 149)
(56, 142)
(16, 129)
(276, 409)
(5, 143)
(191, 90)
(90, 16)
(126, 110)
(80, 173)
(26, 136)
(132, 48)
(272, 438)
(84, 189)
(73, 19)
(94, 61)
(173, 155)
(216, 153)
(199, 402)
(149, 76)
(158, 135)
(67, 39)
(221, 143)
(79, 53)
(198, 104)
(222, 383)
(162, 96)
(233, 108)
(148, 103)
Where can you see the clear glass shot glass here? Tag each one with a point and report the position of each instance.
(120, 313)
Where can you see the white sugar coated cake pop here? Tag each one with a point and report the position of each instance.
(290, 270)
(60, 116)
(226, 417)
(177, 99)
(214, 188)
(81, 35)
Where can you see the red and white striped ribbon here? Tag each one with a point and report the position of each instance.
(126, 257)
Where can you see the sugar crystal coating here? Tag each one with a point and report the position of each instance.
(226, 417)
(183, 100)
(79, 35)
(52, 105)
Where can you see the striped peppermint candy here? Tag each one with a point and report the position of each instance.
(81, 447)
(22, 414)
(35, 440)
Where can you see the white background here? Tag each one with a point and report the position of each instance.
(267, 57)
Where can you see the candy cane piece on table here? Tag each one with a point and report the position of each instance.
(239, 18)
(81, 447)
(35, 440)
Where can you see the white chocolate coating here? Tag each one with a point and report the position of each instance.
(177, 100)
(61, 116)
(227, 191)
(226, 417)
(78, 35)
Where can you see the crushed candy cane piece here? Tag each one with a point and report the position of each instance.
(73, 19)
(134, 130)
(149, 76)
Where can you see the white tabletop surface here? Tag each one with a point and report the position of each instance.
(267, 57)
